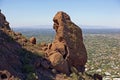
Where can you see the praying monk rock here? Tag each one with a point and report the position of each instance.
(67, 50)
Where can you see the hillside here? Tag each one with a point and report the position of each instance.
(20, 57)
(103, 50)
(23, 59)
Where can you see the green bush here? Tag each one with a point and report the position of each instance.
(74, 76)
(28, 68)
(32, 76)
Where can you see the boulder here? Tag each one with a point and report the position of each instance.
(58, 62)
(33, 40)
(5, 75)
(68, 48)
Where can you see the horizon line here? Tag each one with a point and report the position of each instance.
(81, 26)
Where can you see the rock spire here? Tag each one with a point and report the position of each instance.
(67, 50)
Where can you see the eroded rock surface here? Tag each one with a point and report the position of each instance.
(67, 49)
(3, 22)
(20, 57)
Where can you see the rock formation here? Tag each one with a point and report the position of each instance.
(67, 49)
(3, 22)
(21, 60)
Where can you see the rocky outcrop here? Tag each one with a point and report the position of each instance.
(3, 22)
(20, 59)
(33, 40)
(67, 49)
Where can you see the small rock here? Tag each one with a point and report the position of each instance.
(33, 40)
(54, 71)
(44, 48)
(24, 40)
(43, 44)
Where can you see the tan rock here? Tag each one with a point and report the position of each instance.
(33, 40)
(43, 44)
(24, 40)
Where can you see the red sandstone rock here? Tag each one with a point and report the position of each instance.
(68, 45)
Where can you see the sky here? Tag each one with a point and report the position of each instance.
(102, 13)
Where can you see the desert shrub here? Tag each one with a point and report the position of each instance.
(32, 76)
(27, 68)
(16, 78)
(45, 77)
(74, 76)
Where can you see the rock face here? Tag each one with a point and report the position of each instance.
(67, 49)
(21, 60)
(9, 57)
(3, 22)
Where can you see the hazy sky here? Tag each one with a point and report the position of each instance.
(41, 12)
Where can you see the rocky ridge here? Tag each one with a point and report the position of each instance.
(3, 22)
(23, 59)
